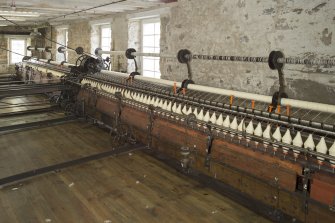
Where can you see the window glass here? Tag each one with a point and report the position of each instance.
(106, 39)
(62, 41)
(151, 44)
(19, 47)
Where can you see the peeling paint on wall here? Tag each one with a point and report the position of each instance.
(326, 37)
(298, 11)
(317, 8)
(254, 28)
(268, 11)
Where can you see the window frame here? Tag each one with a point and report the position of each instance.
(66, 41)
(10, 47)
(143, 22)
(65, 38)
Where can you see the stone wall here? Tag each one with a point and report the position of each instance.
(254, 28)
(3, 55)
(119, 42)
(83, 34)
(247, 28)
(134, 41)
(79, 35)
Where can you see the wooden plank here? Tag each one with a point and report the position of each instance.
(319, 213)
(12, 104)
(49, 146)
(262, 166)
(323, 188)
(292, 204)
(135, 118)
(168, 131)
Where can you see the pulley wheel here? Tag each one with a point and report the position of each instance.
(183, 56)
(129, 52)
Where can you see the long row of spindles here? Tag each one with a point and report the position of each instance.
(228, 122)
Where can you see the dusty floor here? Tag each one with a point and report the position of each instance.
(132, 187)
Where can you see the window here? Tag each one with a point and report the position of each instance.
(151, 44)
(62, 39)
(66, 41)
(106, 39)
(18, 48)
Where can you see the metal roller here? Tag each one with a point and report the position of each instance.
(273, 58)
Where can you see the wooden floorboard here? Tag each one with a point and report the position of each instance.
(23, 103)
(32, 149)
(29, 118)
(131, 187)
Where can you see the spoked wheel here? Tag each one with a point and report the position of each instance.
(80, 60)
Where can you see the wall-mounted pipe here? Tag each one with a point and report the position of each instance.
(249, 96)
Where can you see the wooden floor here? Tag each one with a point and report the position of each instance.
(132, 187)
(23, 103)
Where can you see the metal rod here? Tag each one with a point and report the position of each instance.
(329, 62)
(289, 60)
(84, 10)
(59, 166)
(33, 125)
(46, 49)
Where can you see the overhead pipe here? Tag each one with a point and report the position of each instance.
(245, 95)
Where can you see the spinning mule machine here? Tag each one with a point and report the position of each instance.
(276, 151)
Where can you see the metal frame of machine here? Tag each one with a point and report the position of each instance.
(240, 139)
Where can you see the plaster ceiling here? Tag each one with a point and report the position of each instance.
(58, 10)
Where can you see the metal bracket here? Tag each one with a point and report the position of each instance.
(275, 65)
(132, 76)
(276, 98)
(332, 207)
(305, 189)
(210, 139)
(56, 167)
(184, 84)
(118, 95)
(150, 125)
(185, 56)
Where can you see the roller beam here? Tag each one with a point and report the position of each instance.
(78, 50)
(245, 95)
(46, 49)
